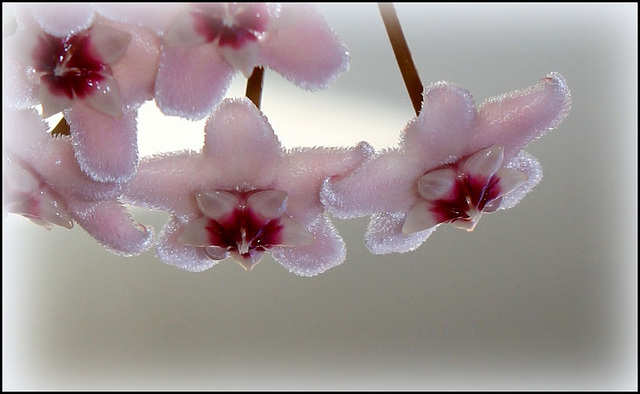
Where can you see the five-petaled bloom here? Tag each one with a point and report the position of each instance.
(244, 195)
(43, 182)
(97, 76)
(454, 162)
(205, 45)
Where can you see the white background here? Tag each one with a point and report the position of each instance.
(541, 296)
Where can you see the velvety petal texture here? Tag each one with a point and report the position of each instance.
(97, 71)
(44, 183)
(454, 162)
(244, 195)
(206, 45)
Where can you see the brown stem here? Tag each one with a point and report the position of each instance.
(62, 128)
(403, 54)
(254, 86)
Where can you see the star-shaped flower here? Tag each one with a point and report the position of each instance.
(206, 44)
(454, 162)
(244, 195)
(96, 71)
(43, 182)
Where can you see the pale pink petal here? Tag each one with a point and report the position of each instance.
(440, 132)
(171, 251)
(516, 119)
(53, 103)
(64, 19)
(304, 49)
(384, 234)
(268, 204)
(240, 141)
(109, 44)
(326, 252)
(157, 17)
(384, 183)
(192, 81)
(247, 260)
(294, 234)
(52, 158)
(18, 89)
(484, 163)
(437, 184)
(136, 71)
(168, 182)
(509, 179)
(106, 148)
(216, 204)
(195, 233)
(243, 59)
(528, 165)
(419, 218)
(182, 32)
(111, 225)
(309, 167)
(104, 97)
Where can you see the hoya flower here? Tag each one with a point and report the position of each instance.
(454, 163)
(43, 182)
(244, 195)
(206, 44)
(96, 75)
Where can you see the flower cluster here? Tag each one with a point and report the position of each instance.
(243, 194)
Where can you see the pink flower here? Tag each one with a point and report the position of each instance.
(244, 195)
(43, 182)
(454, 163)
(96, 71)
(206, 44)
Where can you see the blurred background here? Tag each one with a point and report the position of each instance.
(541, 296)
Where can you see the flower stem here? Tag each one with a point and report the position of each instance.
(62, 128)
(403, 54)
(254, 86)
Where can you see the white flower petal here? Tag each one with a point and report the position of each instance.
(419, 218)
(268, 204)
(437, 184)
(216, 204)
(485, 162)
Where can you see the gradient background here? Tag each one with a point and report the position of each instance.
(541, 296)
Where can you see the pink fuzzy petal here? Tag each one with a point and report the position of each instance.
(240, 140)
(136, 71)
(326, 252)
(110, 224)
(441, 130)
(309, 167)
(165, 182)
(106, 147)
(157, 17)
(63, 19)
(384, 235)
(528, 165)
(192, 81)
(304, 49)
(516, 119)
(171, 251)
(386, 182)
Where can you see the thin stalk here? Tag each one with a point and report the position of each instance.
(403, 54)
(254, 86)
